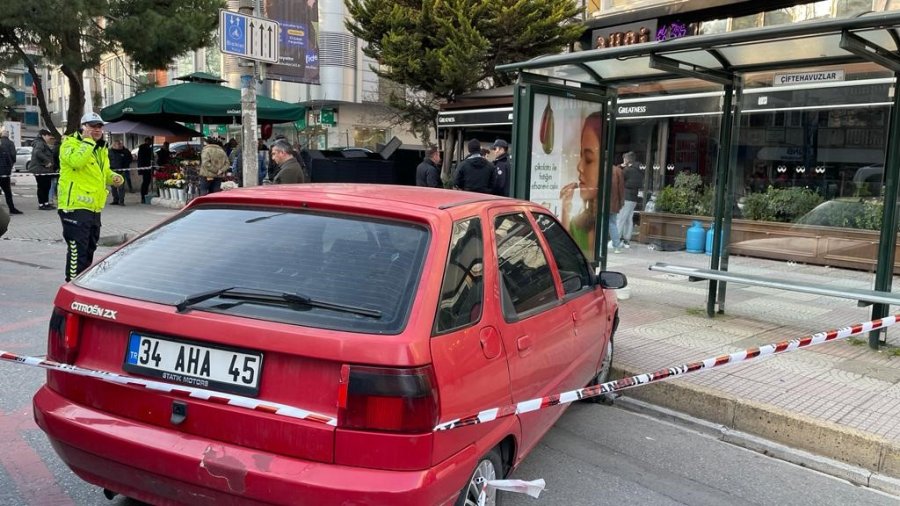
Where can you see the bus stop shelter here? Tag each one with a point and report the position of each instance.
(593, 79)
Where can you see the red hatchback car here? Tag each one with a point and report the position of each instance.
(384, 310)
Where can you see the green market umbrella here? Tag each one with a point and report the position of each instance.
(202, 99)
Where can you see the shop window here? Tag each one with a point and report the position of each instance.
(777, 17)
(743, 22)
(369, 137)
(714, 26)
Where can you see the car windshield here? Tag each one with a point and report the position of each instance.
(346, 260)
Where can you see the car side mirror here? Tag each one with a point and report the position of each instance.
(613, 280)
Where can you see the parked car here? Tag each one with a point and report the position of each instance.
(179, 147)
(389, 309)
(174, 148)
(23, 156)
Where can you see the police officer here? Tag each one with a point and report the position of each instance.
(84, 176)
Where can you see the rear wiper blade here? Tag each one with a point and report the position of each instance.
(190, 300)
(265, 296)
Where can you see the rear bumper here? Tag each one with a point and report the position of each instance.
(161, 466)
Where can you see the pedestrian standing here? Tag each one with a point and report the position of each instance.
(119, 160)
(634, 179)
(213, 166)
(500, 148)
(7, 160)
(84, 175)
(42, 166)
(289, 169)
(616, 201)
(145, 166)
(237, 165)
(164, 156)
(475, 173)
(428, 173)
(262, 158)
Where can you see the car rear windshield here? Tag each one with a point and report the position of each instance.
(333, 258)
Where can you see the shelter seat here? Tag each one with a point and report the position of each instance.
(862, 297)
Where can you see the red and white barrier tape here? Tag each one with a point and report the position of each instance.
(482, 416)
(532, 488)
(129, 169)
(663, 374)
(197, 393)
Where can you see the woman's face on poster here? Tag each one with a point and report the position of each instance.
(589, 163)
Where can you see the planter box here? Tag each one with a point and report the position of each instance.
(836, 247)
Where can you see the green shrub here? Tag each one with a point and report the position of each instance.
(687, 195)
(780, 204)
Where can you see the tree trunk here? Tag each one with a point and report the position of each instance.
(76, 98)
(39, 92)
(449, 148)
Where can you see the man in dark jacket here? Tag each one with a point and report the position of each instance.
(7, 160)
(145, 166)
(42, 166)
(634, 179)
(119, 161)
(501, 164)
(475, 173)
(428, 173)
(289, 169)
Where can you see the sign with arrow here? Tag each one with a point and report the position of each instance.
(248, 36)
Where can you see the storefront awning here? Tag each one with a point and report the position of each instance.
(718, 57)
(475, 117)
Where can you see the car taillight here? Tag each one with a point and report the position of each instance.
(62, 340)
(388, 399)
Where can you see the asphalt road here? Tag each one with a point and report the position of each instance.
(595, 455)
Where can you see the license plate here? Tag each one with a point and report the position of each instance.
(193, 364)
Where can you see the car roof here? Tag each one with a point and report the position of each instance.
(410, 200)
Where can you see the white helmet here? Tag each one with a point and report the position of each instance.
(91, 117)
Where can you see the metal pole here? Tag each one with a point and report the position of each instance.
(248, 129)
(248, 113)
(886, 245)
(722, 168)
(729, 198)
(610, 159)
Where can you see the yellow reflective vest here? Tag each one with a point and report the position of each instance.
(84, 174)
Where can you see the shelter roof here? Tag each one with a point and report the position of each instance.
(718, 57)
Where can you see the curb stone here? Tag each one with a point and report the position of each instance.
(823, 439)
(831, 467)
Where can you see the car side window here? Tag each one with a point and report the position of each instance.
(570, 261)
(526, 281)
(462, 290)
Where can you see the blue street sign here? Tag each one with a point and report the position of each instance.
(235, 30)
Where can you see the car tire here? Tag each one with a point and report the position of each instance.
(490, 467)
(603, 375)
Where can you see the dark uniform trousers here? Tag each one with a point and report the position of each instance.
(81, 231)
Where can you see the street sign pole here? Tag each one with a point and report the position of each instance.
(248, 126)
(254, 39)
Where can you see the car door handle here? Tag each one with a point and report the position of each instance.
(523, 343)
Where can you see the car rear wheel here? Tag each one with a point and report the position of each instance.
(603, 375)
(490, 467)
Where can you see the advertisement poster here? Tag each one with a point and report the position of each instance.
(299, 49)
(566, 155)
